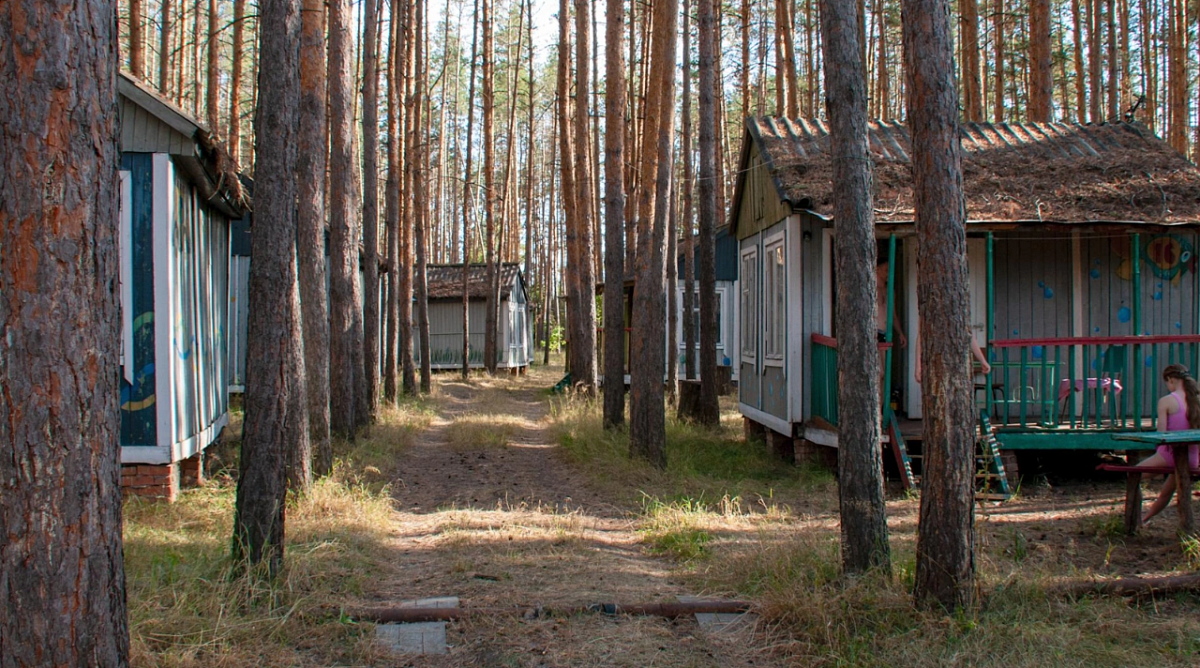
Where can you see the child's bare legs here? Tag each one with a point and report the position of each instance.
(1164, 498)
(1167, 491)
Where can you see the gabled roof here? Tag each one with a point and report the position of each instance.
(1012, 172)
(198, 154)
(445, 280)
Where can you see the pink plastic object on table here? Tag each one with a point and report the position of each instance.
(1064, 388)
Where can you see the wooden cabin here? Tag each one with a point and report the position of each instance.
(179, 191)
(1083, 277)
(727, 303)
(514, 347)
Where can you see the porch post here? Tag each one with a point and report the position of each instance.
(1136, 372)
(891, 306)
(989, 335)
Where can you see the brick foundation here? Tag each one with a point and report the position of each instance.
(808, 452)
(754, 431)
(150, 481)
(781, 446)
(191, 470)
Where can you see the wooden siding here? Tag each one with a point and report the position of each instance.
(761, 207)
(142, 132)
(445, 334)
(138, 410)
(813, 318)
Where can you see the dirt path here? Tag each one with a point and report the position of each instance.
(512, 525)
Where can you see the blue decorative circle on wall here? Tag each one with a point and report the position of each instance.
(1096, 363)
(1041, 284)
(1124, 314)
(1096, 329)
(1157, 296)
(1179, 325)
(1097, 263)
(1048, 293)
(1015, 332)
(1037, 352)
(1095, 273)
(1149, 361)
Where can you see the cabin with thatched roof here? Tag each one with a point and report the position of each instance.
(1083, 277)
(514, 345)
(179, 192)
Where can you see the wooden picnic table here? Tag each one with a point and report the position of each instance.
(1179, 442)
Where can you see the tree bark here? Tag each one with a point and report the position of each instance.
(647, 412)
(583, 342)
(945, 560)
(1177, 76)
(276, 404)
(567, 179)
(370, 210)
(392, 206)
(614, 216)
(489, 188)
(311, 161)
(1095, 35)
(968, 11)
(860, 478)
(62, 579)
(708, 210)
(789, 59)
(421, 204)
(235, 76)
(212, 87)
(999, 19)
(137, 45)
(1114, 86)
(466, 231)
(1080, 74)
(689, 246)
(408, 133)
(164, 48)
(1041, 88)
(343, 232)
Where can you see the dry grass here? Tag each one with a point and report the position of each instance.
(484, 430)
(187, 608)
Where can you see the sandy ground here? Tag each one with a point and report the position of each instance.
(515, 527)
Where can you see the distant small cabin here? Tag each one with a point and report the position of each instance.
(179, 191)
(727, 303)
(1084, 284)
(514, 345)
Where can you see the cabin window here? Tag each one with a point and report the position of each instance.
(775, 310)
(749, 303)
(696, 319)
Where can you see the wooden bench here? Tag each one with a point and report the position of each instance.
(1133, 488)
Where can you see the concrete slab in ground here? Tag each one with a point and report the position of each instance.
(420, 637)
(720, 622)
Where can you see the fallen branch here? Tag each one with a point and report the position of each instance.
(413, 615)
(1132, 586)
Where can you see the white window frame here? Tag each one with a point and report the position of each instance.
(749, 292)
(721, 300)
(773, 307)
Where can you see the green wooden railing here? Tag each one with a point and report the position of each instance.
(824, 398)
(1107, 383)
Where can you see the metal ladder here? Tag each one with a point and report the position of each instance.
(991, 480)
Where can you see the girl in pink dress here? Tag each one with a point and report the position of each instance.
(1177, 411)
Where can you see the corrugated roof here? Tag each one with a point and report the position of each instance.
(445, 280)
(1053, 172)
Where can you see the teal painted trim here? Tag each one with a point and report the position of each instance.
(1065, 440)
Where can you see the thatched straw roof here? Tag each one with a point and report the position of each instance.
(1018, 172)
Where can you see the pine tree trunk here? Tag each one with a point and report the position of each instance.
(672, 262)
(583, 343)
(194, 72)
(276, 423)
(1095, 35)
(62, 579)
(466, 232)
(567, 180)
(343, 232)
(1114, 86)
(1080, 74)
(860, 478)
(647, 412)
(744, 73)
(780, 86)
(164, 48)
(491, 305)
(999, 43)
(969, 59)
(882, 69)
(1041, 90)
(311, 161)
(235, 77)
(1149, 75)
(212, 87)
(708, 210)
(689, 246)
(614, 217)
(421, 204)
(392, 206)
(370, 210)
(1177, 76)
(137, 45)
(945, 563)
(789, 59)
(408, 372)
